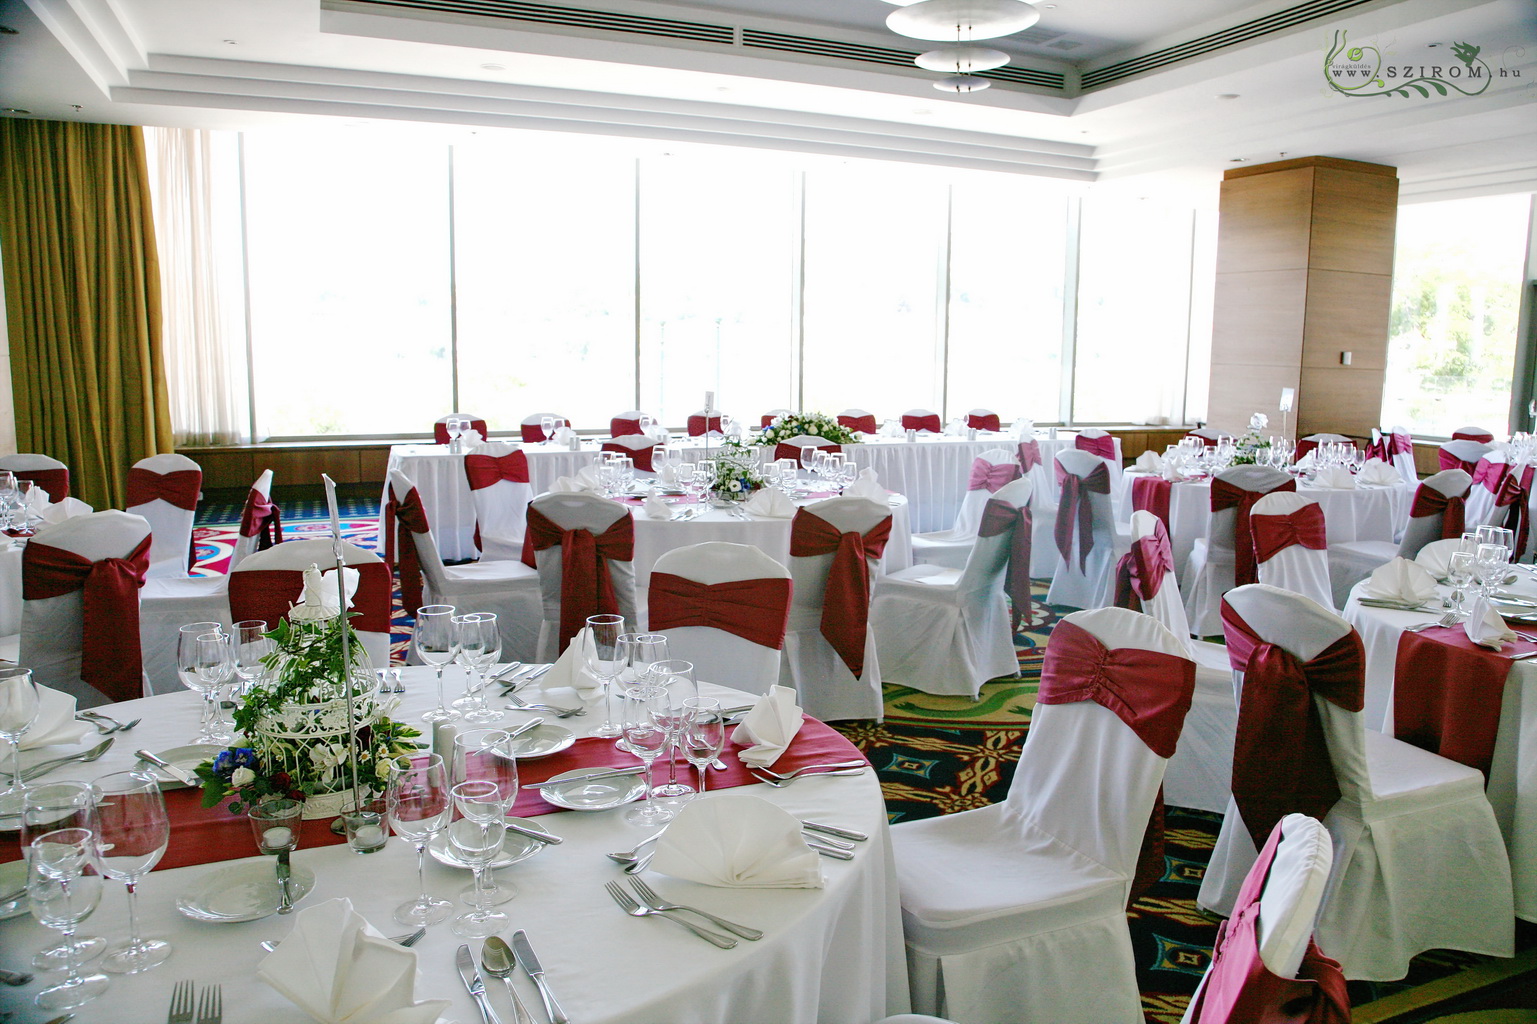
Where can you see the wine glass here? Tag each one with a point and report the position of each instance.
(638, 652)
(187, 671)
(485, 755)
(547, 426)
(132, 831)
(624, 467)
(251, 646)
(645, 736)
(773, 474)
(49, 807)
(18, 713)
(434, 638)
(684, 475)
(479, 644)
(1489, 566)
(704, 734)
(1459, 574)
(676, 678)
(787, 470)
(215, 663)
(26, 516)
(63, 889)
(808, 462)
(418, 805)
(477, 838)
(605, 659)
(454, 427)
(7, 498)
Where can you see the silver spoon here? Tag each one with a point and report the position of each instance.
(496, 958)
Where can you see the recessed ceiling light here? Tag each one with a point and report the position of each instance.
(1227, 95)
(922, 112)
(229, 42)
(13, 110)
(493, 67)
(723, 88)
(1048, 7)
(1237, 160)
(6, 30)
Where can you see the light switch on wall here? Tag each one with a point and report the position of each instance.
(1345, 358)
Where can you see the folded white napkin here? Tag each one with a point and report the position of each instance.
(471, 437)
(737, 430)
(1306, 462)
(1150, 462)
(339, 970)
(1485, 625)
(656, 508)
(320, 599)
(1023, 430)
(563, 435)
(867, 486)
(769, 727)
(571, 671)
(1400, 580)
(891, 428)
(1378, 473)
(1433, 557)
(771, 502)
(739, 841)
(584, 479)
(1170, 473)
(37, 501)
(69, 508)
(55, 723)
(955, 428)
(666, 472)
(1336, 478)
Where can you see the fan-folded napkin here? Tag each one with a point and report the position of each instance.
(320, 599)
(1433, 557)
(656, 508)
(739, 841)
(55, 723)
(891, 428)
(471, 437)
(1378, 473)
(1400, 580)
(1150, 462)
(867, 486)
(1306, 462)
(69, 508)
(571, 670)
(563, 435)
(1336, 478)
(1023, 429)
(769, 727)
(584, 479)
(1485, 625)
(770, 502)
(339, 970)
(955, 428)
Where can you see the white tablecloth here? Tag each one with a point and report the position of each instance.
(833, 954)
(10, 587)
(1512, 787)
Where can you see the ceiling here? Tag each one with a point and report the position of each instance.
(1101, 94)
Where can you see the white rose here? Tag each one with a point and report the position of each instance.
(242, 777)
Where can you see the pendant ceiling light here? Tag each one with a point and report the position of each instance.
(962, 60)
(962, 20)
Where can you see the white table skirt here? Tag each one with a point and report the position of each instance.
(832, 954)
(10, 588)
(1512, 786)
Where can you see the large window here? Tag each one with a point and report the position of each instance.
(1457, 273)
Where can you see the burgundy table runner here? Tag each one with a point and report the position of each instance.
(1447, 693)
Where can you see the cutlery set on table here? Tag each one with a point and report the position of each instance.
(497, 958)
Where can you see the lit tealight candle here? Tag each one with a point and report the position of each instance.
(368, 836)
(277, 838)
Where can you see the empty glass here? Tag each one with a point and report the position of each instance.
(478, 643)
(419, 805)
(18, 712)
(547, 426)
(606, 661)
(63, 889)
(476, 839)
(189, 671)
(436, 645)
(48, 807)
(132, 832)
(645, 736)
(676, 678)
(1459, 573)
(704, 734)
(485, 755)
(251, 645)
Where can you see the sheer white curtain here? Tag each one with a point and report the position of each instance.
(194, 181)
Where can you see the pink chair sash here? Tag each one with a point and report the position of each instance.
(1104, 447)
(1225, 495)
(54, 481)
(793, 451)
(1140, 573)
(180, 488)
(983, 421)
(864, 424)
(618, 427)
(110, 657)
(410, 514)
(697, 427)
(1481, 436)
(485, 470)
(1400, 443)
(1030, 455)
(440, 430)
(846, 601)
(1273, 534)
(1075, 512)
(262, 519)
(1152, 494)
(998, 516)
(930, 422)
(1449, 461)
(1281, 761)
(642, 456)
(1240, 989)
(268, 594)
(991, 476)
(758, 610)
(532, 433)
(586, 589)
(1377, 447)
(1430, 502)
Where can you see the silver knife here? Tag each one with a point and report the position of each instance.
(531, 967)
(611, 773)
(184, 777)
(548, 838)
(477, 988)
(834, 830)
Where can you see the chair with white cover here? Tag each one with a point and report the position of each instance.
(830, 652)
(507, 588)
(1436, 514)
(639, 447)
(725, 608)
(768, 418)
(531, 430)
(1462, 454)
(1419, 862)
(1265, 965)
(705, 421)
(80, 584)
(440, 428)
(1199, 771)
(1086, 536)
(265, 585)
(497, 473)
(1043, 507)
(584, 547)
(1107, 446)
(1224, 558)
(1499, 495)
(1017, 911)
(627, 423)
(925, 421)
(165, 490)
(983, 419)
(45, 471)
(792, 448)
(1395, 446)
(1471, 433)
(261, 523)
(989, 471)
(861, 420)
(948, 631)
(1209, 436)
(1291, 545)
(1306, 445)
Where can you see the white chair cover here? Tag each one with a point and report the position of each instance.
(1114, 461)
(1353, 561)
(501, 510)
(171, 525)
(1301, 570)
(1017, 911)
(1463, 454)
(1075, 582)
(1481, 509)
(1419, 862)
(1209, 571)
(948, 631)
(246, 545)
(1403, 461)
(24, 464)
(951, 547)
(640, 447)
(580, 511)
(507, 588)
(440, 426)
(531, 428)
(295, 556)
(626, 423)
(719, 655)
(825, 687)
(923, 414)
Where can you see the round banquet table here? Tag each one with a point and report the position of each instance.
(1512, 785)
(833, 954)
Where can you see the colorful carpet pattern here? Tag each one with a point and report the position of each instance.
(939, 755)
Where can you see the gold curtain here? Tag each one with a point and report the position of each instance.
(82, 297)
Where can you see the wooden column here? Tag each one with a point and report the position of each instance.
(1304, 275)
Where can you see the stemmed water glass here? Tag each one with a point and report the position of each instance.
(1459, 573)
(684, 474)
(132, 831)
(18, 712)
(479, 643)
(436, 644)
(704, 734)
(638, 652)
(548, 425)
(47, 808)
(251, 646)
(485, 755)
(808, 461)
(676, 679)
(7, 498)
(215, 662)
(63, 889)
(787, 471)
(1489, 566)
(606, 660)
(477, 838)
(187, 670)
(418, 804)
(645, 736)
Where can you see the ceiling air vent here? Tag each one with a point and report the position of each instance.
(1024, 76)
(570, 17)
(754, 39)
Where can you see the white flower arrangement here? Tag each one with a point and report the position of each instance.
(812, 424)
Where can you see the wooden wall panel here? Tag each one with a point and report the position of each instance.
(1264, 223)
(1355, 216)
(1238, 391)
(1259, 318)
(1347, 312)
(1340, 400)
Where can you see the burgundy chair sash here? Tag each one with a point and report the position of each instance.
(1399, 443)
(846, 601)
(930, 422)
(1447, 693)
(758, 610)
(697, 427)
(1240, 989)
(618, 427)
(642, 456)
(1481, 436)
(1430, 502)
(1514, 495)
(533, 433)
(1140, 573)
(1377, 447)
(1449, 461)
(269, 594)
(793, 451)
(1225, 495)
(485, 470)
(1075, 511)
(1152, 494)
(1273, 534)
(110, 657)
(180, 488)
(991, 476)
(998, 516)
(864, 424)
(767, 420)
(983, 421)
(1104, 447)
(1030, 455)
(410, 514)
(586, 589)
(440, 431)
(1280, 759)
(263, 520)
(1304, 446)
(54, 481)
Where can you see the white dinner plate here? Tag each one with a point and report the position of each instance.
(13, 875)
(541, 741)
(516, 848)
(247, 891)
(595, 794)
(186, 758)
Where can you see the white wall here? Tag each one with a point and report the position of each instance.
(7, 403)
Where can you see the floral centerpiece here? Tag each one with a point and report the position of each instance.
(736, 470)
(812, 424)
(1252, 447)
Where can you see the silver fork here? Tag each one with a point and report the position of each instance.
(649, 897)
(780, 783)
(181, 1004)
(629, 906)
(1449, 619)
(514, 701)
(786, 776)
(98, 719)
(210, 1005)
(44, 767)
